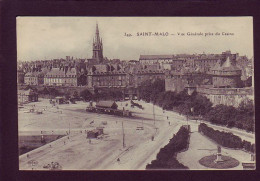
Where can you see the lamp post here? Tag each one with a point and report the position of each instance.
(191, 110)
(69, 128)
(153, 115)
(200, 116)
(123, 134)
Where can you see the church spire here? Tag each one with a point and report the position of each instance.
(97, 46)
(97, 34)
(97, 31)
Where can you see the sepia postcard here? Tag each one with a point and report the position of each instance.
(135, 93)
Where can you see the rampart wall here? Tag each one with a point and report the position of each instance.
(226, 96)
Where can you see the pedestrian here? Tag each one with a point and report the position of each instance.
(167, 117)
(50, 146)
(27, 155)
(89, 141)
(68, 137)
(169, 123)
(64, 142)
(152, 138)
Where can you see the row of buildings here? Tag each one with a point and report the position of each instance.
(214, 75)
(222, 84)
(100, 75)
(200, 62)
(96, 72)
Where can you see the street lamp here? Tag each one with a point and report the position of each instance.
(191, 110)
(123, 134)
(153, 115)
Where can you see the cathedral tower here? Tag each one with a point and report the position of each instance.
(97, 47)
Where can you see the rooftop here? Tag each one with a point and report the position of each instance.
(152, 57)
(26, 92)
(107, 104)
(227, 66)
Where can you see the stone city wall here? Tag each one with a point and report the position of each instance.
(227, 96)
(226, 81)
(175, 84)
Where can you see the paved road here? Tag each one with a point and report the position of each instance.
(103, 154)
(241, 133)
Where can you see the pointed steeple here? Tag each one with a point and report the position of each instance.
(97, 46)
(227, 63)
(97, 39)
(97, 31)
(217, 66)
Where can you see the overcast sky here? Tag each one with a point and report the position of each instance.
(56, 37)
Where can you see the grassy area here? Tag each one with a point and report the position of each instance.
(28, 143)
(226, 139)
(228, 162)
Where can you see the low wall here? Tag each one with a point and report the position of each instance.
(62, 89)
(226, 96)
(226, 91)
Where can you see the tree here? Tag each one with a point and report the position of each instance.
(247, 106)
(54, 92)
(82, 80)
(221, 114)
(86, 94)
(45, 91)
(230, 124)
(184, 109)
(67, 95)
(75, 94)
(201, 105)
(149, 90)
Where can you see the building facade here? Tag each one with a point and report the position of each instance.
(34, 78)
(227, 96)
(153, 59)
(107, 76)
(227, 75)
(178, 81)
(107, 80)
(20, 76)
(25, 96)
(65, 76)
